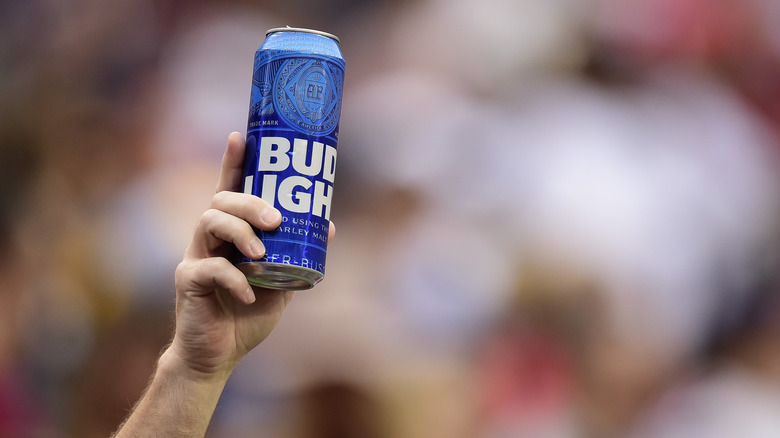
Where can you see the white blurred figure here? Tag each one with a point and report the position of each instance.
(491, 45)
(731, 402)
(649, 187)
(206, 82)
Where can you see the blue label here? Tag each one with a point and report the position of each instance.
(295, 175)
(291, 150)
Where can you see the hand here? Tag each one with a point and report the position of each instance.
(219, 316)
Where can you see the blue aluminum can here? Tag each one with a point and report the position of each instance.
(290, 161)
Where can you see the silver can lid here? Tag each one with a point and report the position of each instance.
(300, 29)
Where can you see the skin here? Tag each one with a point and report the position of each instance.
(219, 316)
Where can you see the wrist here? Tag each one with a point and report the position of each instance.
(171, 363)
(179, 401)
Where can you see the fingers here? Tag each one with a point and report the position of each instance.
(232, 163)
(256, 213)
(331, 232)
(217, 227)
(203, 276)
(251, 208)
(230, 219)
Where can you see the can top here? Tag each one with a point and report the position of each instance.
(300, 29)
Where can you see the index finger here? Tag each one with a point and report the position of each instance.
(232, 164)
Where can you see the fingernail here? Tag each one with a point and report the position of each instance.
(257, 247)
(270, 215)
(250, 295)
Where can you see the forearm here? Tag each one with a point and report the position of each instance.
(179, 402)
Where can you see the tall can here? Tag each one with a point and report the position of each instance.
(290, 162)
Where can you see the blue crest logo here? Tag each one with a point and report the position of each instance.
(306, 95)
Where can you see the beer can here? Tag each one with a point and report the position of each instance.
(290, 162)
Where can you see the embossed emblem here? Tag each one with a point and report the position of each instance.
(305, 95)
(262, 102)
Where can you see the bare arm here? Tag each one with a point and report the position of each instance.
(177, 403)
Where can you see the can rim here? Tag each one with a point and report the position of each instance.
(301, 29)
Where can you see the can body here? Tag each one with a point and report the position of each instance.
(290, 161)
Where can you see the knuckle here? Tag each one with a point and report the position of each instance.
(223, 272)
(218, 264)
(220, 198)
(183, 273)
(210, 218)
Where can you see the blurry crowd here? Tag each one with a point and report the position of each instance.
(556, 218)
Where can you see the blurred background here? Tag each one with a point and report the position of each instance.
(556, 218)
